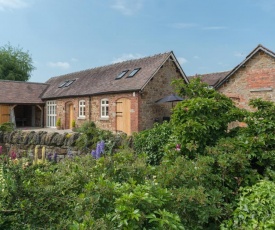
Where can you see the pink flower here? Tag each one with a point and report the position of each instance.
(178, 147)
(13, 155)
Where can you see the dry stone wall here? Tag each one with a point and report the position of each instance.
(23, 144)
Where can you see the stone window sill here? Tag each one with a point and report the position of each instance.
(104, 119)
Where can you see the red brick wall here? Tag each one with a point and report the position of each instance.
(110, 123)
(93, 108)
(62, 111)
(256, 79)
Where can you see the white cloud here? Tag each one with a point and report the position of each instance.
(214, 28)
(126, 57)
(62, 65)
(183, 25)
(181, 60)
(127, 7)
(12, 4)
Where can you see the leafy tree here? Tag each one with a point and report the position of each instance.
(203, 118)
(15, 64)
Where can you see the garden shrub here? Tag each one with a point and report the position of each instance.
(7, 127)
(152, 142)
(256, 208)
(91, 135)
(203, 118)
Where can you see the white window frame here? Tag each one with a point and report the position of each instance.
(104, 111)
(82, 108)
(51, 114)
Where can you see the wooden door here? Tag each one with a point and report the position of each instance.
(123, 115)
(4, 113)
(71, 115)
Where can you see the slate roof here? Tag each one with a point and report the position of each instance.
(18, 92)
(102, 80)
(212, 79)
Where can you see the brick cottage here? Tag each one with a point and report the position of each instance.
(118, 97)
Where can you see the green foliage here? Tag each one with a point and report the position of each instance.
(195, 89)
(58, 122)
(152, 142)
(15, 64)
(123, 195)
(73, 123)
(42, 196)
(196, 190)
(194, 180)
(256, 208)
(141, 206)
(91, 135)
(258, 138)
(7, 127)
(202, 119)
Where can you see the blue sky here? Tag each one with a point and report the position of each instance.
(65, 36)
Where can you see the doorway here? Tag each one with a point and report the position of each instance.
(123, 115)
(69, 115)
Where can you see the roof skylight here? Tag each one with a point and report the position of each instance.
(122, 74)
(62, 84)
(66, 83)
(133, 73)
(69, 83)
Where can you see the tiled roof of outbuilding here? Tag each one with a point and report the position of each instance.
(18, 92)
(211, 79)
(102, 80)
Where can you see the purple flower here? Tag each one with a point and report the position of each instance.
(0, 149)
(50, 157)
(93, 153)
(99, 150)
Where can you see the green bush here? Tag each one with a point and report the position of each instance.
(7, 127)
(256, 208)
(152, 142)
(91, 135)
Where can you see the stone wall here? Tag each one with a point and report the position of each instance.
(159, 87)
(24, 143)
(256, 79)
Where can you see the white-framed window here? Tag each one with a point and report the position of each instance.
(82, 112)
(105, 108)
(51, 114)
